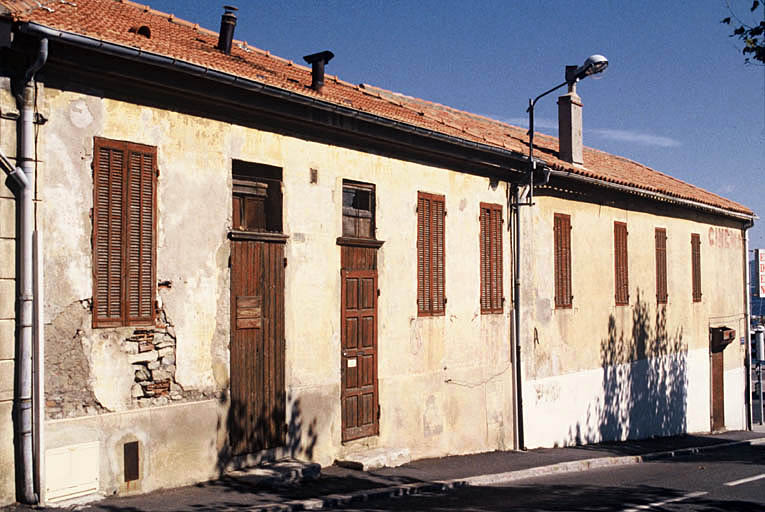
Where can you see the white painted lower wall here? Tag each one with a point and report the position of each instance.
(654, 397)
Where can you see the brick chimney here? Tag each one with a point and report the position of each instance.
(570, 123)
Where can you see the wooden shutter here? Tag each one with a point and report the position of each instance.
(491, 257)
(431, 294)
(562, 257)
(140, 237)
(696, 266)
(124, 219)
(660, 236)
(620, 264)
(108, 178)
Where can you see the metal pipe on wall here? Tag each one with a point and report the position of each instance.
(25, 134)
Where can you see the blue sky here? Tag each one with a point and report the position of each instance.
(677, 95)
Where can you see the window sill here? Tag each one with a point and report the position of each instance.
(261, 236)
(359, 242)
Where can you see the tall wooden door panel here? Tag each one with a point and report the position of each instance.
(359, 354)
(718, 392)
(257, 416)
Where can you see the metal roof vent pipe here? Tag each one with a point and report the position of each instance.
(227, 26)
(317, 62)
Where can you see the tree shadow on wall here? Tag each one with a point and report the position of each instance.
(645, 380)
(260, 430)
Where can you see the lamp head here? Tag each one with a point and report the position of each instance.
(593, 65)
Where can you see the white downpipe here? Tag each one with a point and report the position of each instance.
(38, 427)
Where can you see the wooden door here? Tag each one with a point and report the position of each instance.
(257, 415)
(359, 354)
(718, 392)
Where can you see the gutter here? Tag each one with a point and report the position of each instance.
(136, 54)
(659, 196)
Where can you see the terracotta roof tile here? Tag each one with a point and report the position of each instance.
(118, 21)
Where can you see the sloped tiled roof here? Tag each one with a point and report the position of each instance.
(117, 21)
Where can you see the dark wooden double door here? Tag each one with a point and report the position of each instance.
(257, 413)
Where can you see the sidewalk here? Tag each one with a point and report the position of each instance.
(338, 486)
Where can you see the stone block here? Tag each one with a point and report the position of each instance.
(143, 357)
(166, 351)
(7, 299)
(169, 360)
(158, 375)
(375, 459)
(153, 365)
(7, 481)
(7, 258)
(6, 380)
(136, 391)
(7, 339)
(7, 217)
(142, 374)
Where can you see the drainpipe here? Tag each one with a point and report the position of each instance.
(26, 179)
(747, 326)
(517, 378)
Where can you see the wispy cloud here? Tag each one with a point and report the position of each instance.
(728, 188)
(645, 139)
(550, 126)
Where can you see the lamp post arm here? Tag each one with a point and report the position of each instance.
(530, 110)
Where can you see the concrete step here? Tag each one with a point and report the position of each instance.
(279, 472)
(375, 459)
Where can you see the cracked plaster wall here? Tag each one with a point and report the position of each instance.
(192, 256)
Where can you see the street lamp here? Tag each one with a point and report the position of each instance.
(593, 65)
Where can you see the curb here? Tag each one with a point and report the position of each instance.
(337, 500)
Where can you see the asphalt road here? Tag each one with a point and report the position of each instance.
(719, 480)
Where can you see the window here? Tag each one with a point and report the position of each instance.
(696, 266)
(257, 197)
(124, 221)
(358, 210)
(621, 273)
(430, 254)
(660, 236)
(562, 236)
(491, 258)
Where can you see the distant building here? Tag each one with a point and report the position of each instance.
(218, 258)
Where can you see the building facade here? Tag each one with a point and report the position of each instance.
(236, 258)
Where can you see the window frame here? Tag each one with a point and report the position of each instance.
(696, 267)
(621, 264)
(355, 213)
(491, 258)
(430, 282)
(564, 297)
(128, 149)
(660, 252)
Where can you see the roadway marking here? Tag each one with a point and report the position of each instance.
(745, 480)
(660, 503)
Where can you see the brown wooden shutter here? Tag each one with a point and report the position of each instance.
(140, 230)
(562, 257)
(430, 254)
(490, 221)
(124, 220)
(660, 235)
(620, 264)
(696, 266)
(108, 179)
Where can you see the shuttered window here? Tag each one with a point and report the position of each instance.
(124, 218)
(621, 273)
(491, 258)
(660, 235)
(562, 241)
(696, 266)
(431, 298)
